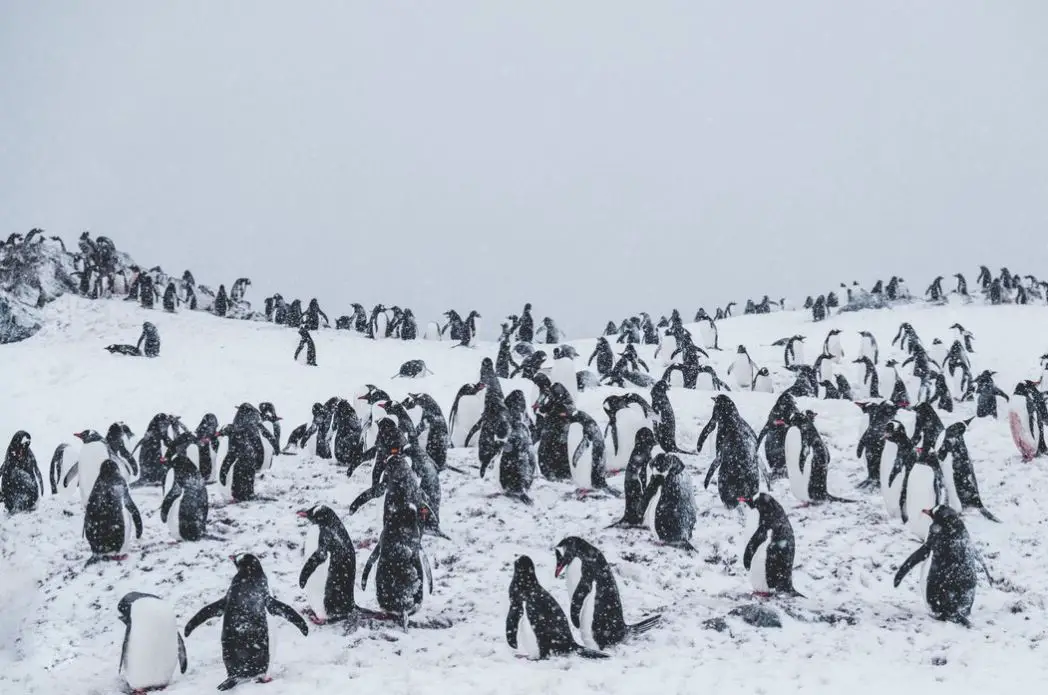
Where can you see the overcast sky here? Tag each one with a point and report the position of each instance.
(595, 158)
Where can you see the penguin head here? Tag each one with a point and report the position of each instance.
(571, 548)
(895, 431)
(945, 519)
(247, 564)
(741, 350)
(761, 501)
(835, 331)
(109, 470)
(268, 412)
(516, 402)
(20, 444)
(320, 514)
(645, 437)
(666, 464)
(88, 436)
(524, 569)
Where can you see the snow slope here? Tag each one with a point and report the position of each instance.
(58, 620)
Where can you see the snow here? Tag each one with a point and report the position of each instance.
(58, 620)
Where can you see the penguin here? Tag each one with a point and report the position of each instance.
(664, 421)
(109, 514)
(432, 427)
(708, 333)
(157, 438)
(402, 566)
(535, 623)
(245, 631)
(207, 447)
(306, 349)
(1026, 419)
(378, 323)
(844, 389)
(986, 395)
(832, 345)
(221, 306)
(957, 463)
(900, 396)
(951, 562)
(270, 431)
(897, 458)
(627, 415)
(736, 453)
(348, 446)
(762, 382)
(927, 428)
(596, 607)
(152, 647)
(518, 462)
(965, 335)
(793, 349)
(245, 455)
(21, 484)
(185, 504)
(171, 301)
(924, 487)
(830, 390)
(330, 571)
(824, 368)
(412, 369)
(590, 473)
(636, 479)
(873, 440)
(807, 460)
(526, 325)
(89, 461)
(744, 368)
(770, 550)
(806, 384)
(562, 371)
(493, 428)
(669, 502)
(774, 434)
(149, 340)
(465, 412)
(868, 347)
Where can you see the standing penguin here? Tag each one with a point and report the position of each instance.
(955, 459)
(872, 442)
(770, 551)
(604, 356)
(793, 349)
(149, 341)
(807, 460)
(518, 463)
(986, 395)
(21, 484)
(744, 368)
(152, 647)
(535, 623)
(708, 332)
(155, 441)
(306, 343)
(924, 487)
(245, 455)
(636, 479)
(950, 570)
(432, 427)
(736, 453)
(596, 608)
(669, 502)
(762, 381)
(1026, 418)
(221, 305)
(897, 458)
(88, 463)
(627, 415)
(403, 567)
(832, 345)
(466, 411)
(774, 434)
(109, 514)
(245, 631)
(664, 421)
(868, 347)
(185, 504)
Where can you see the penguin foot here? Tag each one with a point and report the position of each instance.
(364, 545)
(264, 679)
(313, 618)
(802, 505)
(762, 594)
(615, 471)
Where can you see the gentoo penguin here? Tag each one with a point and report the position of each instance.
(868, 347)
(793, 349)
(870, 380)
(736, 453)
(965, 335)
(465, 412)
(627, 415)
(157, 438)
(807, 460)
(412, 369)
(832, 345)
(636, 479)
(110, 513)
(769, 553)
(348, 445)
(774, 434)
(987, 394)
(402, 567)
(562, 371)
(378, 323)
(762, 381)
(708, 333)
(664, 421)
(587, 472)
(824, 368)
(596, 608)
(1027, 415)
(955, 459)
(330, 571)
(925, 486)
(669, 502)
(270, 431)
(872, 442)
(518, 463)
(245, 631)
(21, 485)
(949, 572)
(153, 647)
(536, 624)
(897, 458)
(88, 463)
(185, 505)
(433, 428)
(604, 356)
(306, 352)
(744, 368)
(245, 455)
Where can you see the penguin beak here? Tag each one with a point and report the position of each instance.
(557, 572)
(302, 513)
(780, 423)
(233, 558)
(926, 512)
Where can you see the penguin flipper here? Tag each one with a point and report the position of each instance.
(366, 496)
(282, 610)
(314, 561)
(578, 598)
(425, 569)
(136, 517)
(986, 513)
(473, 431)
(916, 558)
(123, 649)
(74, 470)
(710, 472)
(590, 653)
(169, 500)
(751, 548)
(516, 612)
(183, 660)
(212, 610)
(644, 625)
(371, 561)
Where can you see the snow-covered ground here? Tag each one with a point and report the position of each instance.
(59, 630)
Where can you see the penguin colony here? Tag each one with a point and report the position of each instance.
(919, 465)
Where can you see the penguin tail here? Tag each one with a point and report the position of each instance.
(793, 592)
(989, 515)
(833, 498)
(644, 625)
(590, 653)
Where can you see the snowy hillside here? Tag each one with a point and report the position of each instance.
(59, 630)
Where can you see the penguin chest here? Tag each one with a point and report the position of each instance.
(129, 529)
(762, 384)
(267, 453)
(651, 512)
(798, 470)
(563, 372)
(704, 382)
(588, 603)
(432, 331)
(891, 492)
(921, 493)
(867, 349)
(743, 372)
(949, 483)
(470, 410)
(833, 347)
(759, 566)
(708, 333)
(527, 640)
(628, 422)
(579, 455)
(174, 516)
(89, 463)
(152, 645)
(316, 585)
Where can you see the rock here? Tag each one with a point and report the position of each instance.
(757, 616)
(718, 624)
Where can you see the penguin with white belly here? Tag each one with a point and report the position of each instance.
(770, 551)
(670, 502)
(185, 504)
(807, 460)
(152, 647)
(109, 515)
(596, 607)
(88, 464)
(465, 412)
(897, 457)
(832, 345)
(925, 487)
(627, 415)
(743, 367)
(762, 381)
(563, 371)
(868, 347)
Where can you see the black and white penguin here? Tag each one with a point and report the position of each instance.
(245, 455)
(412, 369)
(955, 460)
(562, 370)
(536, 624)
(770, 550)
(154, 442)
(604, 356)
(306, 352)
(708, 333)
(93, 453)
(379, 323)
(402, 566)
(872, 442)
(185, 504)
(152, 647)
(245, 630)
(807, 460)
(669, 502)
(171, 300)
(635, 484)
(270, 431)
(762, 382)
(949, 573)
(870, 379)
(664, 420)
(465, 412)
(897, 458)
(432, 428)
(596, 608)
(110, 514)
(987, 394)
(518, 462)
(832, 345)
(868, 347)
(744, 368)
(21, 484)
(627, 415)
(329, 574)
(1027, 416)
(348, 442)
(793, 349)
(774, 434)
(925, 486)
(736, 453)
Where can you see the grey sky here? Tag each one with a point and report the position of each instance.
(610, 157)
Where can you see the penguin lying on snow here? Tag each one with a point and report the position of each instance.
(596, 608)
(535, 623)
(245, 631)
(152, 645)
(412, 369)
